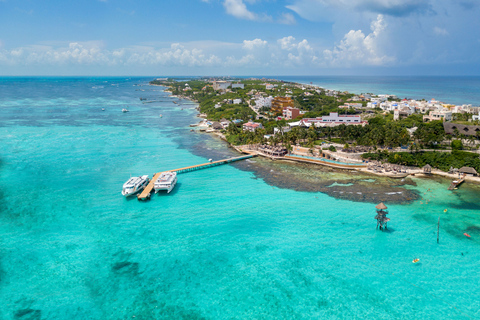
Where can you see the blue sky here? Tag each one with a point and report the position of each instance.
(240, 37)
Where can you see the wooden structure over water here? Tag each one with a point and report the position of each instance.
(456, 183)
(145, 194)
(381, 216)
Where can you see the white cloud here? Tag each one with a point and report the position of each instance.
(440, 31)
(254, 44)
(295, 53)
(358, 49)
(287, 43)
(238, 9)
(87, 54)
(246, 60)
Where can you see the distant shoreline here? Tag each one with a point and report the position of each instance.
(418, 172)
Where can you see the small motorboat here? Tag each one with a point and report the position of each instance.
(415, 260)
(124, 110)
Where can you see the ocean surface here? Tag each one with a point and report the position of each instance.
(224, 244)
(453, 90)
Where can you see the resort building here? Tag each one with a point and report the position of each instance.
(252, 126)
(438, 115)
(333, 120)
(221, 85)
(290, 113)
(280, 103)
(468, 171)
(453, 128)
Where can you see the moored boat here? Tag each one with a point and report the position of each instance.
(134, 185)
(166, 181)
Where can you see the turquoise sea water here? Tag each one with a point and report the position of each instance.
(222, 245)
(331, 161)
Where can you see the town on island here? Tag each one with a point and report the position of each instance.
(377, 133)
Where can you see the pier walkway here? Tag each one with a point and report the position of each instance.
(456, 183)
(148, 189)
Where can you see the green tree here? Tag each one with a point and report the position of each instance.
(457, 145)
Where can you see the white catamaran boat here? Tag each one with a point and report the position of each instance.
(134, 185)
(166, 181)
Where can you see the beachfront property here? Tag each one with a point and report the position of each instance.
(438, 115)
(252, 126)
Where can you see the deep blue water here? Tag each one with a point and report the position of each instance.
(452, 90)
(222, 245)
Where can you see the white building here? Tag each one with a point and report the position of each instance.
(252, 126)
(264, 102)
(438, 115)
(238, 85)
(221, 85)
(334, 119)
(237, 101)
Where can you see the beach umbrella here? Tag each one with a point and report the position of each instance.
(381, 206)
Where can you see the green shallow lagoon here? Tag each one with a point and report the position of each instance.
(227, 243)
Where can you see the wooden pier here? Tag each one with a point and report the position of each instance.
(456, 183)
(148, 189)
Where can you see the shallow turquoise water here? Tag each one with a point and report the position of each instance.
(331, 161)
(222, 245)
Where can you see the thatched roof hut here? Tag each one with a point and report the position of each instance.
(427, 168)
(217, 126)
(381, 206)
(468, 170)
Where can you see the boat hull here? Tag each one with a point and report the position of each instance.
(168, 188)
